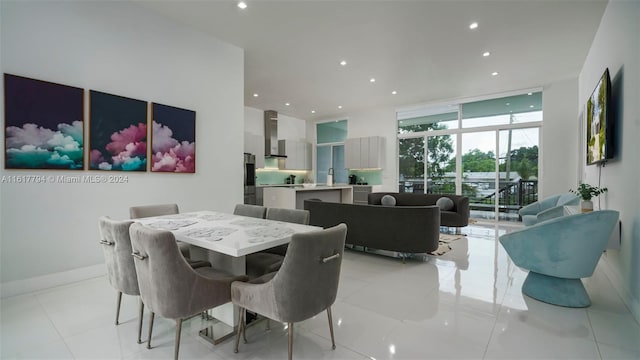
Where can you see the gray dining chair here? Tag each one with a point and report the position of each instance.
(121, 271)
(138, 212)
(169, 286)
(270, 260)
(295, 216)
(305, 285)
(255, 211)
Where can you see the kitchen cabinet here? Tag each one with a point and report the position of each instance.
(298, 155)
(254, 144)
(364, 153)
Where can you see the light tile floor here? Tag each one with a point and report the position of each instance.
(465, 304)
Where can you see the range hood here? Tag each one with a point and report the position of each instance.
(271, 135)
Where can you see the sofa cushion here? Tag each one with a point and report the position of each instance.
(388, 200)
(445, 203)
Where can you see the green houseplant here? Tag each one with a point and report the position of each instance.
(586, 193)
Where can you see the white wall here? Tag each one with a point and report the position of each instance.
(559, 138)
(121, 49)
(617, 46)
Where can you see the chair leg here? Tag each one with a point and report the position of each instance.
(240, 328)
(290, 340)
(178, 332)
(118, 306)
(140, 321)
(333, 341)
(150, 329)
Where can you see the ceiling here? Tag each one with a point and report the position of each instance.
(424, 50)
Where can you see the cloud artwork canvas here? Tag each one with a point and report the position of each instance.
(117, 133)
(43, 125)
(173, 137)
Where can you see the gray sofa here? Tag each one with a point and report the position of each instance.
(458, 216)
(408, 229)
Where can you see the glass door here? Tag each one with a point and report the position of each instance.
(479, 172)
(518, 170)
(411, 164)
(441, 164)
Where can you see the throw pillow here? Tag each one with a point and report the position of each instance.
(445, 203)
(388, 200)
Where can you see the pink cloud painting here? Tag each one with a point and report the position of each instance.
(173, 140)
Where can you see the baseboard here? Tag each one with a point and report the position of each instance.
(618, 284)
(19, 287)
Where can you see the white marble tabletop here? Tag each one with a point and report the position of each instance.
(229, 234)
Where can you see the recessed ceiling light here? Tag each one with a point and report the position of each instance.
(473, 25)
(287, 104)
(530, 94)
(313, 111)
(486, 53)
(394, 92)
(255, 95)
(495, 73)
(343, 63)
(339, 106)
(372, 80)
(242, 5)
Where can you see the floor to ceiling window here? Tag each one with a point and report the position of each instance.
(486, 150)
(330, 137)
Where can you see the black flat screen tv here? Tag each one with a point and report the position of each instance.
(599, 122)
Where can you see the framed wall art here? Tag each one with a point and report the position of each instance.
(117, 133)
(173, 139)
(44, 124)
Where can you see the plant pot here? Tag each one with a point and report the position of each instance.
(586, 206)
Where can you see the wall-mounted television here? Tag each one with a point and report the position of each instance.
(600, 146)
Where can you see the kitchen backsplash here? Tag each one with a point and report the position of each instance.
(371, 177)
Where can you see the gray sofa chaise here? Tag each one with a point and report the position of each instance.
(406, 229)
(458, 216)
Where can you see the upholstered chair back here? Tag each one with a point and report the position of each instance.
(137, 212)
(295, 216)
(116, 245)
(255, 211)
(307, 282)
(168, 285)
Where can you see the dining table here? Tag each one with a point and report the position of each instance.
(224, 240)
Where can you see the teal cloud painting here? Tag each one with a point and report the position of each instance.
(44, 124)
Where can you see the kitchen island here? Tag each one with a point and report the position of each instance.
(294, 197)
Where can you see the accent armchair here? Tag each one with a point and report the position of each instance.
(548, 208)
(558, 253)
(305, 285)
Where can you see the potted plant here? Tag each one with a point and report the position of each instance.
(586, 192)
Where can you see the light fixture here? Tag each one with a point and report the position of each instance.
(394, 92)
(486, 53)
(255, 95)
(372, 80)
(313, 111)
(495, 73)
(473, 25)
(287, 104)
(339, 106)
(343, 63)
(242, 5)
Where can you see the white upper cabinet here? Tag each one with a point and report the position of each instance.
(364, 153)
(254, 144)
(298, 155)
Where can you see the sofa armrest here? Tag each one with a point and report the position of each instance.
(551, 213)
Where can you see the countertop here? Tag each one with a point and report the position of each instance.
(317, 188)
